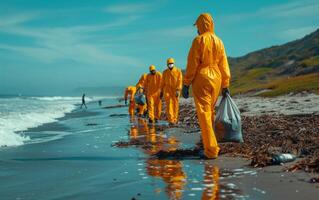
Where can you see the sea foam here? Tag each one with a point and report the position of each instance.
(20, 113)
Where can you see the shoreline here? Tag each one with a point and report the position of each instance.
(85, 165)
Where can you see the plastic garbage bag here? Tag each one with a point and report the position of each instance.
(228, 121)
(140, 99)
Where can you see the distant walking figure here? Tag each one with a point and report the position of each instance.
(83, 101)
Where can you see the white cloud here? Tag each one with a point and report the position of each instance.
(296, 33)
(287, 10)
(292, 9)
(129, 8)
(66, 43)
(43, 54)
(16, 19)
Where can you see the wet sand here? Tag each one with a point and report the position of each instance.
(83, 164)
(223, 178)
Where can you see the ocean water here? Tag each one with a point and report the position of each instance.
(17, 114)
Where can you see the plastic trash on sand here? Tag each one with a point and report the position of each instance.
(228, 121)
(277, 159)
(140, 99)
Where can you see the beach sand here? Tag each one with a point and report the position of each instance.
(70, 159)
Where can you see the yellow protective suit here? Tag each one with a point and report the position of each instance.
(152, 90)
(141, 109)
(130, 91)
(141, 82)
(140, 88)
(172, 83)
(207, 71)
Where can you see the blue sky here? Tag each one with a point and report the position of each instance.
(52, 47)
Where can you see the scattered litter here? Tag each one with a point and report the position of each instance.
(118, 115)
(265, 135)
(91, 124)
(314, 180)
(115, 106)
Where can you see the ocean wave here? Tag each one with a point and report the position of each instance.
(20, 114)
(77, 99)
(59, 98)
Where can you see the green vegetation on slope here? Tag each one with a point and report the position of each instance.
(253, 80)
(311, 61)
(292, 67)
(293, 84)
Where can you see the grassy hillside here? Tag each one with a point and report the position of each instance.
(292, 67)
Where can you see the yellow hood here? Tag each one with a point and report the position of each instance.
(205, 23)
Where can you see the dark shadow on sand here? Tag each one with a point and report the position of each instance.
(76, 158)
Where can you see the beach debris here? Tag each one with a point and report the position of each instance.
(118, 115)
(91, 124)
(309, 164)
(278, 159)
(314, 180)
(132, 142)
(178, 154)
(269, 134)
(115, 106)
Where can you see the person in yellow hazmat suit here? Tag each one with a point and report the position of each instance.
(141, 83)
(140, 89)
(130, 92)
(152, 90)
(208, 72)
(171, 89)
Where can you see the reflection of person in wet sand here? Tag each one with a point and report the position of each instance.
(83, 101)
(211, 181)
(171, 171)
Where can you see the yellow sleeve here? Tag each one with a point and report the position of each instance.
(224, 68)
(193, 62)
(126, 94)
(133, 91)
(146, 85)
(138, 84)
(160, 78)
(163, 82)
(141, 82)
(180, 80)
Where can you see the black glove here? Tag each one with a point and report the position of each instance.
(125, 101)
(161, 95)
(185, 91)
(225, 91)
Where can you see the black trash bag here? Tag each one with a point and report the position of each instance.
(228, 121)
